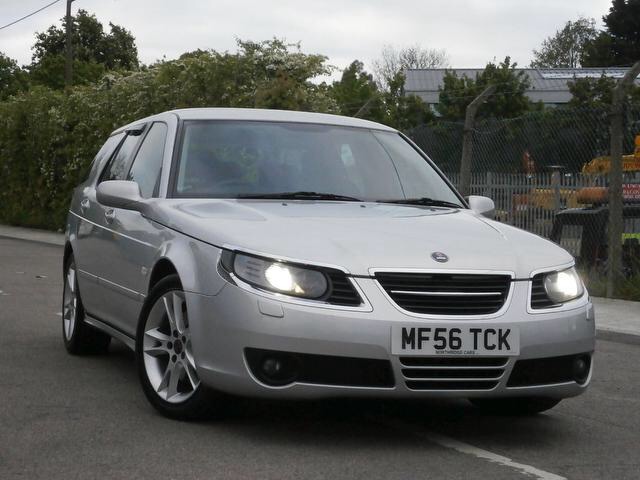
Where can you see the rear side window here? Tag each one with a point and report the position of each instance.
(119, 165)
(106, 151)
(147, 165)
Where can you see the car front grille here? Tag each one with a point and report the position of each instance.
(445, 293)
(342, 290)
(539, 298)
(452, 373)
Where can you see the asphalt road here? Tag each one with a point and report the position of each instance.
(73, 417)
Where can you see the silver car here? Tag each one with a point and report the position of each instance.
(299, 255)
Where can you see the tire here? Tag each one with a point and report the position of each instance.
(517, 406)
(79, 337)
(164, 357)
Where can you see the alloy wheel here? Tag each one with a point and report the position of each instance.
(167, 352)
(69, 303)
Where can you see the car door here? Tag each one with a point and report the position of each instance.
(99, 246)
(86, 246)
(131, 245)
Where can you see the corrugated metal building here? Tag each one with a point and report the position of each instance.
(549, 85)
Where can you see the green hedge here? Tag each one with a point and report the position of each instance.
(48, 138)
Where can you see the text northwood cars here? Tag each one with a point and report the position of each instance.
(298, 255)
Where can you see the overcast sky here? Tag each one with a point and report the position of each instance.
(471, 31)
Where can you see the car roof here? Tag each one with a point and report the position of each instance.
(263, 115)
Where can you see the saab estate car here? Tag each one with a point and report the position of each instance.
(263, 253)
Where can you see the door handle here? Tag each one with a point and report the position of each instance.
(85, 204)
(110, 215)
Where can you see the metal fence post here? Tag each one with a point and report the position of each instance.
(555, 184)
(488, 190)
(615, 178)
(467, 140)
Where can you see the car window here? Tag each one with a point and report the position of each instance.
(119, 165)
(106, 151)
(147, 165)
(227, 159)
(417, 181)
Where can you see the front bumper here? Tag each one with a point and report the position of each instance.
(223, 326)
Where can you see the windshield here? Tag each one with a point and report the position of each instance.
(237, 159)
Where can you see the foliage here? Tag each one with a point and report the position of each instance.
(590, 92)
(355, 89)
(402, 111)
(12, 78)
(619, 43)
(48, 138)
(566, 48)
(357, 94)
(94, 52)
(508, 100)
(393, 62)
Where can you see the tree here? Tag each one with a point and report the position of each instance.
(566, 48)
(403, 111)
(508, 101)
(94, 52)
(357, 94)
(597, 93)
(279, 75)
(393, 61)
(12, 78)
(71, 126)
(355, 89)
(619, 43)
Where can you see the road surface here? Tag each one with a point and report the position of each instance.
(86, 417)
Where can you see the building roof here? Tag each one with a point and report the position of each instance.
(549, 85)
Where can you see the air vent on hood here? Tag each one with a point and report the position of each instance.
(446, 294)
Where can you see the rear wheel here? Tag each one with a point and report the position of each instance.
(516, 405)
(79, 337)
(166, 365)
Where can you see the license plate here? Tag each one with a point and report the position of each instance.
(459, 340)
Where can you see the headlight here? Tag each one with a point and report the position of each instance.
(563, 286)
(280, 277)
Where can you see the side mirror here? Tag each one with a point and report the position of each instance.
(120, 194)
(482, 205)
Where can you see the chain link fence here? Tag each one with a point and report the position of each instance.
(547, 172)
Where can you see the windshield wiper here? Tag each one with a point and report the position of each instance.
(302, 195)
(430, 202)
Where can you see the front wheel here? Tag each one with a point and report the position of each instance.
(515, 406)
(166, 365)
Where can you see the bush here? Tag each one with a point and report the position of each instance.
(48, 138)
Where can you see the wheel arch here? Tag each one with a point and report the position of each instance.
(162, 269)
(68, 251)
(195, 263)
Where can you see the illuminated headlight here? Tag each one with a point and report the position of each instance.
(280, 277)
(563, 286)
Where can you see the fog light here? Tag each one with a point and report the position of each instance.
(272, 367)
(277, 369)
(580, 368)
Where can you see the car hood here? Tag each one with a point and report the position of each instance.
(360, 236)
